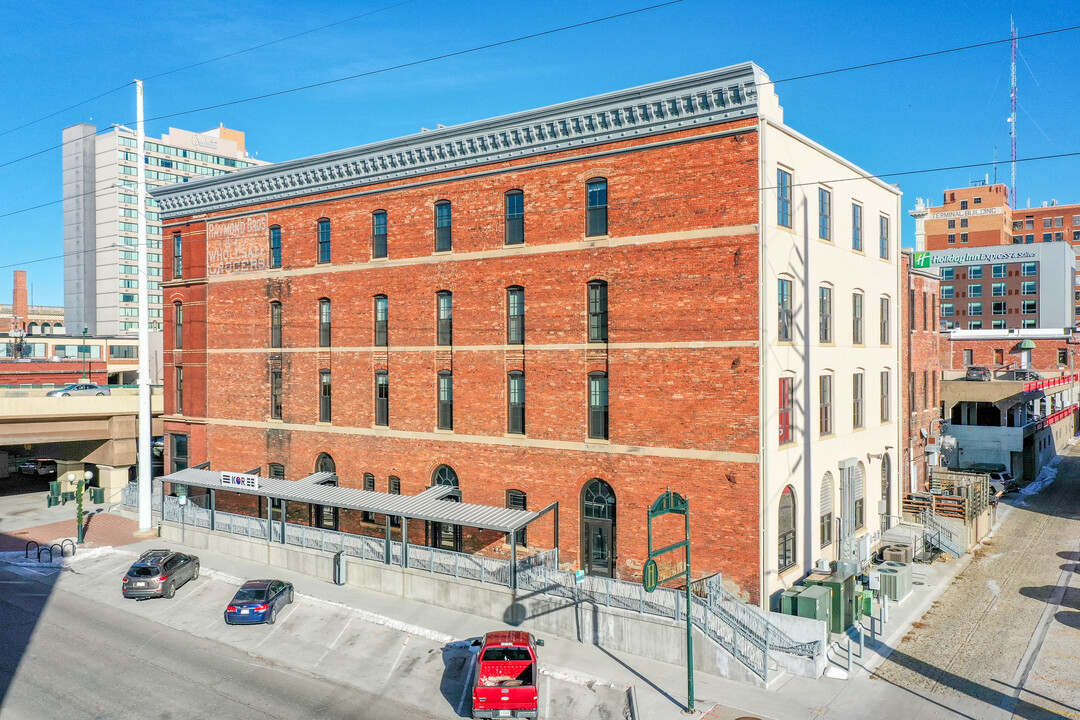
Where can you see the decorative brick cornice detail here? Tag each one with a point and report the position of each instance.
(703, 99)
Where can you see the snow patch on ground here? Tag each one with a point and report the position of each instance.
(19, 558)
(1046, 476)
(993, 586)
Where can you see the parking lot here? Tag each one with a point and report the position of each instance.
(354, 647)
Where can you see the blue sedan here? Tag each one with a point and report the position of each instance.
(258, 601)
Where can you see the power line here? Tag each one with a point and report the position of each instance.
(540, 34)
(576, 208)
(370, 73)
(919, 56)
(206, 62)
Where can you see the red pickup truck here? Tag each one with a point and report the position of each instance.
(507, 676)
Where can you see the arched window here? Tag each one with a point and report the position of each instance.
(825, 314)
(596, 206)
(446, 400)
(275, 246)
(324, 240)
(444, 317)
(445, 535)
(598, 528)
(598, 405)
(378, 234)
(369, 484)
(324, 322)
(515, 217)
(45, 328)
(825, 525)
(382, 317)
(325, 463)
(786, 530)
(515, 399)
(32, 329)
(443, 235)
(598, 311)
(860, 497)
(58, 329)
(516, 500)
(178, 321)
(515, 315)
(275, 324)
(886, 491)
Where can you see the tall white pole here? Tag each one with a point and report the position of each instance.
(145, 493)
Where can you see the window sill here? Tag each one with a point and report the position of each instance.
(790, 343)
(322, 423)
(598, 441)
(789, 570)
(591, 238)
(442, 252)
(515, 435)
(787, 445)
(277, 421)
(826, 436)
(858, 251)
(443, 431)
(379, 259)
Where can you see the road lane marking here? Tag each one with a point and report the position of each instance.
(393, 666)
(331, 646)
(290, 611)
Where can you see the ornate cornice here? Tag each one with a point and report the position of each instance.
(695, 100)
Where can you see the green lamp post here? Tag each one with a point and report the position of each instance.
(80, 489)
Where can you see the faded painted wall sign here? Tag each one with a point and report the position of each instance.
(237, 246)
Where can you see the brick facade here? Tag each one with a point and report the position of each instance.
(55, 373)
(670, 277)
(925, 355)
(1004, 353)
(684, 271)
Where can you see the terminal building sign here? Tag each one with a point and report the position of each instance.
(236, 246)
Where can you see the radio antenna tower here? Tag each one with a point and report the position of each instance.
(1012, 117)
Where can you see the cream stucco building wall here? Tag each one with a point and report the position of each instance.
(810, 459)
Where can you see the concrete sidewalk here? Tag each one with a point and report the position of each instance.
(661, 688)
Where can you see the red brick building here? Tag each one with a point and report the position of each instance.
(926, 354)
(1051, 351)
(565, 305)
(43, 372)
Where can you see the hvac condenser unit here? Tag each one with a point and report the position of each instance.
(898, 552)
(895, 580)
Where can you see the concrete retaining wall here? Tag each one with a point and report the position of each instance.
(649, 636)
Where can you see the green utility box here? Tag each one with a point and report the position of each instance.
(97, 495)
(816, 602)
(54, 488)
(842, 585)
(866, 603)
(65, 496)
(52, 500)
(789, 600)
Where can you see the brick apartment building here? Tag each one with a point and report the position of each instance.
(981, 217)
(586, 303)
(925, 355)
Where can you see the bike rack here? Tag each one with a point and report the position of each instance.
(26, 553)
(63, 547)
(40, 548)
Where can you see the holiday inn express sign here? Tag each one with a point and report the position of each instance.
(926, 259)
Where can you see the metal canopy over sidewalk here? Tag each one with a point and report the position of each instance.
(429, 505)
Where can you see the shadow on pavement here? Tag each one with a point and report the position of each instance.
(1070, 599)
(458, 662)
(1020, 708)
(27, 588)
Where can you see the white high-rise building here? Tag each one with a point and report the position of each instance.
(101, 216)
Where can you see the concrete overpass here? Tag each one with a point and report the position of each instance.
(77, 430)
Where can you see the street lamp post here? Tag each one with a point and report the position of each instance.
(84, 350)
(80, 488)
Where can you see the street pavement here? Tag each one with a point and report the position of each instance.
(381, 644)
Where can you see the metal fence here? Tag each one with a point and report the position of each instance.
(743, 630)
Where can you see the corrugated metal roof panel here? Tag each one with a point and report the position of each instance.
(428, 505)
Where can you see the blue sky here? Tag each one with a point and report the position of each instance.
(934, 112)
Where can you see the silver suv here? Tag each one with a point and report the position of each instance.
(157, 573)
